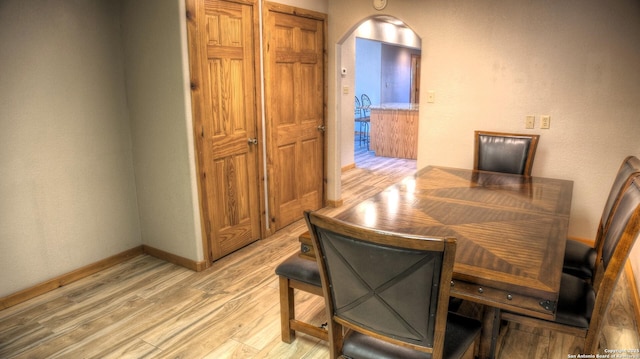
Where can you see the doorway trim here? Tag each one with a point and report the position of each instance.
(343, 106)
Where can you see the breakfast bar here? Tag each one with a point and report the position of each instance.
(394, 130)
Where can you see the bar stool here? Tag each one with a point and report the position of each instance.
(362, 119)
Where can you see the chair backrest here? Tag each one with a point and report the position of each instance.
(505, 152)
(357, 108)
(622, 221)
(366, 104)
(386, 285)
(619, 239)
(630, 167)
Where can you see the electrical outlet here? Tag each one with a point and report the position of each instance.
(545, 122)
(530, 122)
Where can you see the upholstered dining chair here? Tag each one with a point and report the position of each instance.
(296, 273)
(386, 294)
(505, 152)
(580, 258)
(581, 306)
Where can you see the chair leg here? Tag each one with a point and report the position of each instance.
(360, 131)
(490, 330)
(287, 310)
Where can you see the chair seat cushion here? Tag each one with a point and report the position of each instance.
(300, 269)
(579, 259)
(460, 333)
(575, 302)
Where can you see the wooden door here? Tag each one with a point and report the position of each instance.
(222, 49)
(294, 97)
(415, 79)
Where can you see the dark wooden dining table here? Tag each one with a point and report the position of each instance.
(510, 230)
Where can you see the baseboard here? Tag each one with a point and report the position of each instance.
(588, 242)
(197, 266)
(635, 295)
(68, 278)
(348, 167)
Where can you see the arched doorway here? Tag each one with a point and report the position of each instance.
(378, 58)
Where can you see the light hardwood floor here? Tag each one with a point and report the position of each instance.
(147, 308)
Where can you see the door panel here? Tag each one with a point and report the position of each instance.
(223, 70)
(294, 72)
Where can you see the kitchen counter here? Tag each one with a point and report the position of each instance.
(397, 106)
(394, 130)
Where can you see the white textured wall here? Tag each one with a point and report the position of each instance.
(315, 5)
(396, 74)
(347, 129)
(67, 191)
(156, 63)
(369, 69)
(576, 61)
(634, 259)
(492, 63)
(95, 121)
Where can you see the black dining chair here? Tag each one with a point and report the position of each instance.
(297, 274)
(582, 306)
(580, 258)
(387, 294)
(505, 152)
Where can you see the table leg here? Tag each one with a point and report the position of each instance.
(490, 330)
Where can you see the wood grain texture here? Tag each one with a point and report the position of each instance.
(394, 133)
(511, 230)
(223, 65)
(68, 278)
(146, 307)
(295, 96)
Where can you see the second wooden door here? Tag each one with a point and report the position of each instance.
(294, 97)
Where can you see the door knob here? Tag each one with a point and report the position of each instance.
(321, 128)
(253, 141)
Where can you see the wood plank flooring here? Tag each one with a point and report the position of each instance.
(147, 308)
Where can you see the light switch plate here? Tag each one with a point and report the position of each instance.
(530, 122)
